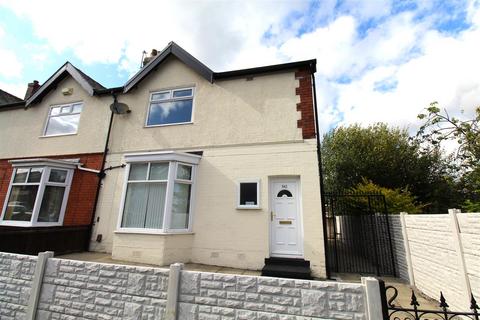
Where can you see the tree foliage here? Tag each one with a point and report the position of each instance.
(439, 126)
(398, 199)
(388, 158)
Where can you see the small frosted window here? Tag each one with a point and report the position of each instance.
(248, 195)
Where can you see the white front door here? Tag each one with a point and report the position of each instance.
(285, 225)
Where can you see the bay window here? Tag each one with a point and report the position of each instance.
(158, 192)
(38, 193)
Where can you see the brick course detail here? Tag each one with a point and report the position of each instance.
(305, 106)
(82, 191)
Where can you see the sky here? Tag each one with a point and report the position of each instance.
(377, 61)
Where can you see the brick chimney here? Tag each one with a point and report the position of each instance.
(32, 88)
(149, 58)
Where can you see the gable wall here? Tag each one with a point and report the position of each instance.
(22, 130)
(227, 112)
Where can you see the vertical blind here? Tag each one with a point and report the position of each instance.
(146, 197)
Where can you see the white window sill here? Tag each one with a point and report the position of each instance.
(167, 124)
(29, 224)
(249, 208)
(152, 232)
(59, 135)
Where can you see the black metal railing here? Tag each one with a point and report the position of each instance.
(415, 312)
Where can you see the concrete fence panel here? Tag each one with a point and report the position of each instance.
(440, 252)
(469, 224)
(398, 246)
(69, 289)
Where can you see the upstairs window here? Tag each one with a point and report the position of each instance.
(170, 107)
(63, 119)
(37, 196)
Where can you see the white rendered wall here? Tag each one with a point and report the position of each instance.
(22, 130)
(222, 234)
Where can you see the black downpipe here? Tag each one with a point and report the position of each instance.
(101, 175)
(320, 173)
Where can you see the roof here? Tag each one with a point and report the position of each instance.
(173, 49)
(177, 51)
(7, 98)
(84, 80)
(311, 64)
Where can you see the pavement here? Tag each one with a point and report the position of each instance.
(404, 289)
(404, 296)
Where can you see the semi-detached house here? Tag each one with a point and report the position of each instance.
(191, 165)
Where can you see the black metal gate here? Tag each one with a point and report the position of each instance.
(358, 234)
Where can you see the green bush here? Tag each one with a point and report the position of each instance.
(398, 200)
(470, 206)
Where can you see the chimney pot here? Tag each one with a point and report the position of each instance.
(149, 58)
(31, 89)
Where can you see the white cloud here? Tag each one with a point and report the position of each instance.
(395, 71)
(331, 45)
(216, 32)
(17, 89)
(446, 71)
(10, 67)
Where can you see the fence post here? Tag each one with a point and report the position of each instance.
(457, 242)
(37, 284)
(172, 291)
(373, 295)
(406, 244)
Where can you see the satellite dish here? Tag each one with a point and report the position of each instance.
(119, 108)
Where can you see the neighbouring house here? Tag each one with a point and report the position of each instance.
(7, 98)
(217, 168)
(51, 150)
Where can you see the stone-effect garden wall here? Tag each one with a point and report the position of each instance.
(76, 289)
(16, 274)
(85, 290)
(219, 296)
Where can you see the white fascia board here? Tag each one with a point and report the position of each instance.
(68, 164)
(163, 156)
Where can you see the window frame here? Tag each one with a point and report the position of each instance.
(174, 159)
(170, 90)
(42, 184)
(49, 115)
(248, 207)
